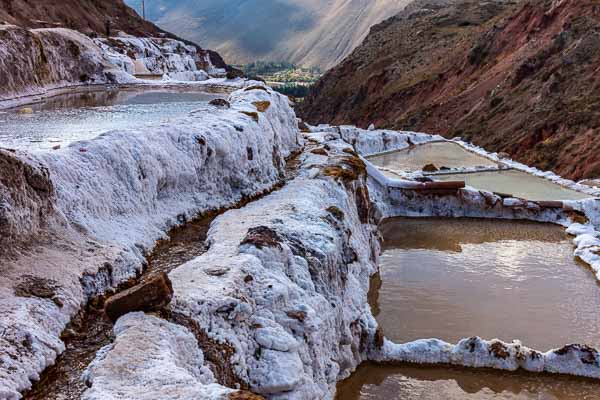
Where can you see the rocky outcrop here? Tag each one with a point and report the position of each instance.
(34, 60)
(152, 294)
(517, 77)
(89, 18)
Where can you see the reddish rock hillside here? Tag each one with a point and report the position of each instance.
(87, 16)
(521, 77)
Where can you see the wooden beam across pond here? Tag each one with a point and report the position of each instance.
(450, 185)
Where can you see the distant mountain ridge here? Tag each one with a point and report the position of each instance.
(305, 32)
(513, 76)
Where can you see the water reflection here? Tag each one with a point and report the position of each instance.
(517, 183)
(63, 119)
(455, 278)
(441, 154)
(449, 383)
(452, 278)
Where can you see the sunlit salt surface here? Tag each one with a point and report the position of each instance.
(441, 154)
(457, 278)
(372, 382)
(516, 183)
(68, 118)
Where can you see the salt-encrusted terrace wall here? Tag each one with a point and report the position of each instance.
(93, 209)
(280, 301)
(280, 297)
(40, 61)
(158, 56)
(370, 142)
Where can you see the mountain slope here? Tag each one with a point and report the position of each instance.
(519, 77)
(306, 32)
(86, 16)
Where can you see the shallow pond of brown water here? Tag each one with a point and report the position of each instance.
(376, 382)
(516, 183)
(440, 154)
(457, 278)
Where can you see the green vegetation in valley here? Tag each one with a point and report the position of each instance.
(285, 77)
(293, 90)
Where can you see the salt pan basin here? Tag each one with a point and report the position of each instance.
(456, 278)
(64, 119)
(374, 382)
(441, 154)
(516, 183)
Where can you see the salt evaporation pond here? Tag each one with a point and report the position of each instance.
(516, 183)
(441, 154)
(78, 116)
(457, 278)
(452, 156)
(377, 382)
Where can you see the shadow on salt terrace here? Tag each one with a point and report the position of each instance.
(446, 161)
(91, 329)
(58, 121)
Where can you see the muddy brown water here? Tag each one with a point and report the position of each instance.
(441, 154)
(91, 330)
(457, 278)
(452, 155)
(517, 183)
(409, 382)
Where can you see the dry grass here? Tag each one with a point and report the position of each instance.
(251, 114)
(262, 106)
(320, 151)
(351, 152)
(336, 212)
(349, 169)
